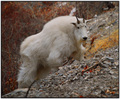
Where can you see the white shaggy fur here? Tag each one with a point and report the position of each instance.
(46, 50)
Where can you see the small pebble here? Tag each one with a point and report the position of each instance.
(108, 63)
(111, 72)
(116, 63)
(110, 59)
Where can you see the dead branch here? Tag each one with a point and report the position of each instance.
(29, 88)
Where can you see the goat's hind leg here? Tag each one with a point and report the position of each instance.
(27, 73)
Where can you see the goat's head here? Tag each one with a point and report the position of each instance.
(80, 31)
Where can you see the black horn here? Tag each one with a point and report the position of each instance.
(83, 19)
(78, 22)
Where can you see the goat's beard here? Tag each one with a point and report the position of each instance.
(83, 42)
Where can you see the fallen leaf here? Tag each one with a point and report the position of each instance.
(112, 92)
(41, 90)
(81, 96)
(82, 72)
(90, 70)
(85, 67)
(107, 91)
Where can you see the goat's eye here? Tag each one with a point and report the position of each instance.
(78, 27)
(85, 26)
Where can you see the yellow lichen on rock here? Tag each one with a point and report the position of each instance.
(105, 42)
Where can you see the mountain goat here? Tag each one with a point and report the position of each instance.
(61, 37)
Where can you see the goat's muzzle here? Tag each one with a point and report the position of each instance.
(85, 38)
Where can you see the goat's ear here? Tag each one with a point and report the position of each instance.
(74, 24)
(87, 21)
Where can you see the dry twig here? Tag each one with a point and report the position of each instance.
(29, 88)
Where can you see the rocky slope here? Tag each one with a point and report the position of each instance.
(70, 81)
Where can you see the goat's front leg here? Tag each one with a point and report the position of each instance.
(79, 54)
(54, 59)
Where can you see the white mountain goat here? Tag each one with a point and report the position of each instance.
(61, 37)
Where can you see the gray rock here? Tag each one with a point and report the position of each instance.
(108, 63)
(111, 72)
(16, 93)
(110, 59)
(116, 50)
